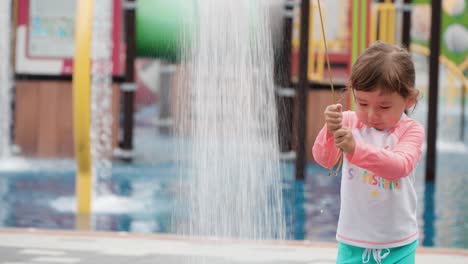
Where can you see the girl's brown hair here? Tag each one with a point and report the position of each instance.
(384, 66)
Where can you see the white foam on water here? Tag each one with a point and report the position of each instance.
(108, 204)
(20, 164)
(12, 164)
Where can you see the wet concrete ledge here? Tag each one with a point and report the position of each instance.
(62, 246)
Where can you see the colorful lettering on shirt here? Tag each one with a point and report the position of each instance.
(350, 173)
(375, 180)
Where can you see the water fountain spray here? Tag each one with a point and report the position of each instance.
(227, 109)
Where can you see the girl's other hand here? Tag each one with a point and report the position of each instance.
(344, 140)
(333, 117)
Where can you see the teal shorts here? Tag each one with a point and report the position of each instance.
(356, 255)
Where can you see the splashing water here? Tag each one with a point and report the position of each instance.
(227, 108)
(6, 83)
(101, 96)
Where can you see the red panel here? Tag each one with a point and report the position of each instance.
(23, 12)
(117, 68)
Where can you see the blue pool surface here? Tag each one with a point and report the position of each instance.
(142, 199)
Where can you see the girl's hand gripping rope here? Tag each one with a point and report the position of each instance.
(344, 139)
(333, 117)
(334, 120)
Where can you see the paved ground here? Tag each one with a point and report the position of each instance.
(28, 246)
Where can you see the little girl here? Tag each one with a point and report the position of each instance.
(381, 147)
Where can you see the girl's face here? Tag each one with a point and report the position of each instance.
(380, 110)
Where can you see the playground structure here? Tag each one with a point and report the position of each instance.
(43, 84)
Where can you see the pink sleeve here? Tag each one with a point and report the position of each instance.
(391, 164)
(324, 150)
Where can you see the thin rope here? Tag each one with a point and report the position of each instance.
(326, 52)
(339, 162)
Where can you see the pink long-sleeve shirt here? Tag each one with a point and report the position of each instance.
(378, 197)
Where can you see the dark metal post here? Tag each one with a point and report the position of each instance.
(128, 87)
(302, 91)
(283, 54)
(406, 26)
(432, 124)
(429, 214)
(285, 101)
(433, 91)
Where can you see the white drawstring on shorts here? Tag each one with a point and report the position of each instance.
(376, 253)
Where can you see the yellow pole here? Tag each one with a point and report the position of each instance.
(320, 53)
(316, 59)
(320, 60)
(383, 23)
(373, 23)
(81, 104)
(391, 23)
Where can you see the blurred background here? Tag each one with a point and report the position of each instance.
(113, 123)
